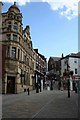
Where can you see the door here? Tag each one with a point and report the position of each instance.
(10, 84)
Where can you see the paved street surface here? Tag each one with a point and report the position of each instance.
(46, 104)
(0, 106)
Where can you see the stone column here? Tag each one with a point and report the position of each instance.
(5, 83)
(10, 51)
(17, 83)
(16, 52)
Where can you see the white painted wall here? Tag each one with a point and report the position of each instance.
(72, 65)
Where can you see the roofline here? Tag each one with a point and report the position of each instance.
(72, 56)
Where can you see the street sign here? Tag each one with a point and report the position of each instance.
(76, 78)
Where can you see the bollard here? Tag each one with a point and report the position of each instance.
(28, 91)
(37, 88)
(68, 88)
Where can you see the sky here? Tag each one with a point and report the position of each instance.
(53, 24)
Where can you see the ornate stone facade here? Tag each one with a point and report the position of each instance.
(17, 49)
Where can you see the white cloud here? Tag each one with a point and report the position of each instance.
(67, 8)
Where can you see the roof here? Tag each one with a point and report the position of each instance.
(55, 58)
(73, 55)
(14, 7)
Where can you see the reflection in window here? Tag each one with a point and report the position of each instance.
(13, 52)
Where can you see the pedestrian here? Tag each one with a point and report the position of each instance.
(28, 91)
(59, 85)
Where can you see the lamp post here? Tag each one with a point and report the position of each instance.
(68, 82)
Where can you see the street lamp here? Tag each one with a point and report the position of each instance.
(68, 80)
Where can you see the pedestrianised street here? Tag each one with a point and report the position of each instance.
(45, 104)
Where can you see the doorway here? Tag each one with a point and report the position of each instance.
(10, 84)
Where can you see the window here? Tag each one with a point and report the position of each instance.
(15, 26)
(10, 15)
(75, 61)
(9, 25)
(20, 28)
(14, 37)
(8, 36)
(24, 78)
(75, 71)
(27, 61)
(13, 52)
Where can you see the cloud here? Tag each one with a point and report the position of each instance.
(67, 8)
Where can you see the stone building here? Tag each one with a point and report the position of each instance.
(0, 47)
(54, 68)
(17, 53)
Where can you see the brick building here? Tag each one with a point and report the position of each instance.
(54, 67)
(40, 67)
